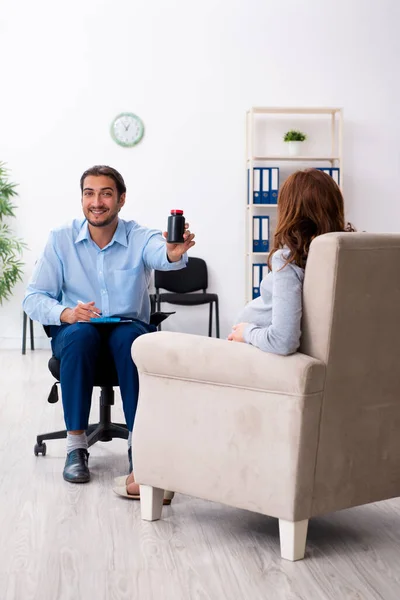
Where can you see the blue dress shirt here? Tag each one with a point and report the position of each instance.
(72, 267)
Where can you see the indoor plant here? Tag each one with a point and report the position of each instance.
(294, 139)
(10, 247)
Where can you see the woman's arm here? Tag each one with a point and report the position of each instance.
(282, 336)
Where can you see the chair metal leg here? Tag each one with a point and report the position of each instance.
(105, 433)
(217, 317)
(210, 319)
(55, 435)
(25, 317)
(152, 303)
(158, 303)
(31, 334)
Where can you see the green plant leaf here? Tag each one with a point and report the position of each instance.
(11, 248)
(294, 135)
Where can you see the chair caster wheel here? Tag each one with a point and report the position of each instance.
(40, 449)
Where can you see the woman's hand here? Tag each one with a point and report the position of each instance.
(237, 332)
(176, 251)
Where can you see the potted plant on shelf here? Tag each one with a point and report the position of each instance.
(294, 139)
(10, 247)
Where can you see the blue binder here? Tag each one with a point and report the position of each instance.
(257, 276)
(257, 185)
(334, 172)
(261, 234)
(264, 234)
(274, 185)
(265, 271)
(257, 234)
(265, 185)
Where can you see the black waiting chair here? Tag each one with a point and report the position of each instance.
(183, 288)
(106, 378)
(24, 326)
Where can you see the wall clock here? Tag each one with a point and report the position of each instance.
(127, 129)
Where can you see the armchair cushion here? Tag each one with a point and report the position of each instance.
(210, 360)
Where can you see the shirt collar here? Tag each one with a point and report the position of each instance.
(119, 234)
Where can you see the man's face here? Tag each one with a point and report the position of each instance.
(100, 201)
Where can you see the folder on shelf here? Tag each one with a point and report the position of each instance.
(261, 234)
(264, 226)
(265, 185)
(324, 170)
(257, 234)
(274, 185)
(256, 185)
(257, 270)
(334, 172)
(265, 271)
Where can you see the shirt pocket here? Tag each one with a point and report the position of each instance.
(123, 275)
(130, 285)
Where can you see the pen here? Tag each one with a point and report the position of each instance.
(92, 311)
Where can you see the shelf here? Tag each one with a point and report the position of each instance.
(261, 206)
(264, 136)
(294, 158)
(259, 110)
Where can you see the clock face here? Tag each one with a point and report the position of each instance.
(127, 129)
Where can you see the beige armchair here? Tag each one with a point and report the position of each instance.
(291, 437)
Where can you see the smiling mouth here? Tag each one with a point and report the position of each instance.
(97, 213)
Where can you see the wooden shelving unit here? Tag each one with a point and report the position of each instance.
(298, 118)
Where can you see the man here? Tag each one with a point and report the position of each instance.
(98, 266)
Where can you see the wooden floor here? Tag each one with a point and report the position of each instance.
(71, 542)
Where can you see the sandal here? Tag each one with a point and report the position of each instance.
(120, 488)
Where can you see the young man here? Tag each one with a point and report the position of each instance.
(98, 266)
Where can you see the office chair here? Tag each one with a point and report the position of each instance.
(180, 286)
(106, 378)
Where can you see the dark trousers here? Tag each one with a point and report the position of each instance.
(77, 347)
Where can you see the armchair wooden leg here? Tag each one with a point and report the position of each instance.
(151, 502)
(293, 536)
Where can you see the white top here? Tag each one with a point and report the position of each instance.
(275, 316)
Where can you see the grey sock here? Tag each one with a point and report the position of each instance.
(76, 441)
(130, 439)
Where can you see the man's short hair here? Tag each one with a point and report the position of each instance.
(108, 172)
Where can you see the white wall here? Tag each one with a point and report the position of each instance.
(190, 70)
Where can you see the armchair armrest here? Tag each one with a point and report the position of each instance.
(212, 360)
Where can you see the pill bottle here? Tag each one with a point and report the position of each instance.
(176, 227)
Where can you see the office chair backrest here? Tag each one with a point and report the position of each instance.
(191, 279)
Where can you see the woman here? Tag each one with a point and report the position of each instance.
(310, 204)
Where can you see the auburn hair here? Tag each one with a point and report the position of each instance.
(310, 203)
